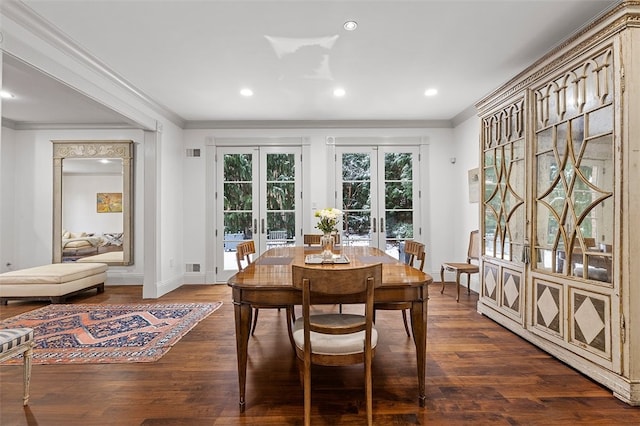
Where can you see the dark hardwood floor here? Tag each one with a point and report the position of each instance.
(477, 373)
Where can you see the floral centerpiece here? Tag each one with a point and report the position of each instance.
(327, 224)
(328, 219)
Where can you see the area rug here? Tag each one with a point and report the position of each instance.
(96, 333)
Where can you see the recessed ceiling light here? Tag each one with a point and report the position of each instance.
(339, 92)
(6, 95)
(431, 92)
(350, 25)
(246, 92)
(104, 161)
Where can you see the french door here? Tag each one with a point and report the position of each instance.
(377, 188)
(258, 198)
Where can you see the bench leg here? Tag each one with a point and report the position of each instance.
(27, 374)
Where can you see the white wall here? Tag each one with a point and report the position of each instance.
(7, 195)
(171, 209)
(79, 213)
(466, 150)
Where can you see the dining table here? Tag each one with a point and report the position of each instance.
(268, 281)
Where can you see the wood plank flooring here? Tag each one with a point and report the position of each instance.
(477, 373)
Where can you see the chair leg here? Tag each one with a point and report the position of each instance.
(27, 374)
(255, 320)
(367, 388)
(457, 286)
(290, 320)
(307, 390)
(469, 284)
(442, 279)
(406, 325)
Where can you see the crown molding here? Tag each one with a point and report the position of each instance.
(317, 124)
(9, 124)
(464, 115)
(27, 125)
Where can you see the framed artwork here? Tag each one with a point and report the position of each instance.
(109, 202)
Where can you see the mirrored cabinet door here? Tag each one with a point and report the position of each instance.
(574, 147)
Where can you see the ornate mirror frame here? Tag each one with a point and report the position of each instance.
(118, 149)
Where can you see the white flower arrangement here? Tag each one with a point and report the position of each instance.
(328, 219)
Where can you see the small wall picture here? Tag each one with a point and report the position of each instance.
(109, 202)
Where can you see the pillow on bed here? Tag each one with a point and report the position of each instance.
(77, 234)
(66, 235)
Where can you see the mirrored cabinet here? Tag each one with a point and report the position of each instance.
(559, 148)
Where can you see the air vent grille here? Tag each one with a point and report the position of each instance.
(193, 267)
(193, 152)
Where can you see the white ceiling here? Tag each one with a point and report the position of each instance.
(193, 57)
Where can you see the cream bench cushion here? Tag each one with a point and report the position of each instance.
(55, 281)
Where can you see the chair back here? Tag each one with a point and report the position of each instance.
(416, 251)
(244, 250)
(314, 239)
(474, 246)
(323, 283)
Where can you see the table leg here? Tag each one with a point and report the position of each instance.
(419, 328)
(243, 314)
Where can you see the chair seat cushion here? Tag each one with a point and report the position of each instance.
(332, 344)
(11, 338)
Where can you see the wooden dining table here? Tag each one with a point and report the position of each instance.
(267, 281)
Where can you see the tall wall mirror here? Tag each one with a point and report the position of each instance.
(92, 208)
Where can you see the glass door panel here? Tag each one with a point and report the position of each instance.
(258, 195)
(239, 211)
(377, 190)
(280, 188)
(357, 197)
(399, 195)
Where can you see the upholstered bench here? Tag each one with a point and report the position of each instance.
(15, 341)
(55, 282)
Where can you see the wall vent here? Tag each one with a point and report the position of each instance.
(193, 152)
(193, 267)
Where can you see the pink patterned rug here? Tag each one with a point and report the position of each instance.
(96, 333)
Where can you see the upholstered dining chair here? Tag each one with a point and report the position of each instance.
(415, 253)
(468, 268)
(336, 339)
(244, 251)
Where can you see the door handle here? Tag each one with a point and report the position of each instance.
(262, 220)
(381, 224)
(374, 225)
(255, 226)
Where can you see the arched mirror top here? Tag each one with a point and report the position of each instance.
(88, 194)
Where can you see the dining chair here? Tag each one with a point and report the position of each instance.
(332, 339)
(415, 251)
(468, 268)
(314, 239)
(244, 250)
